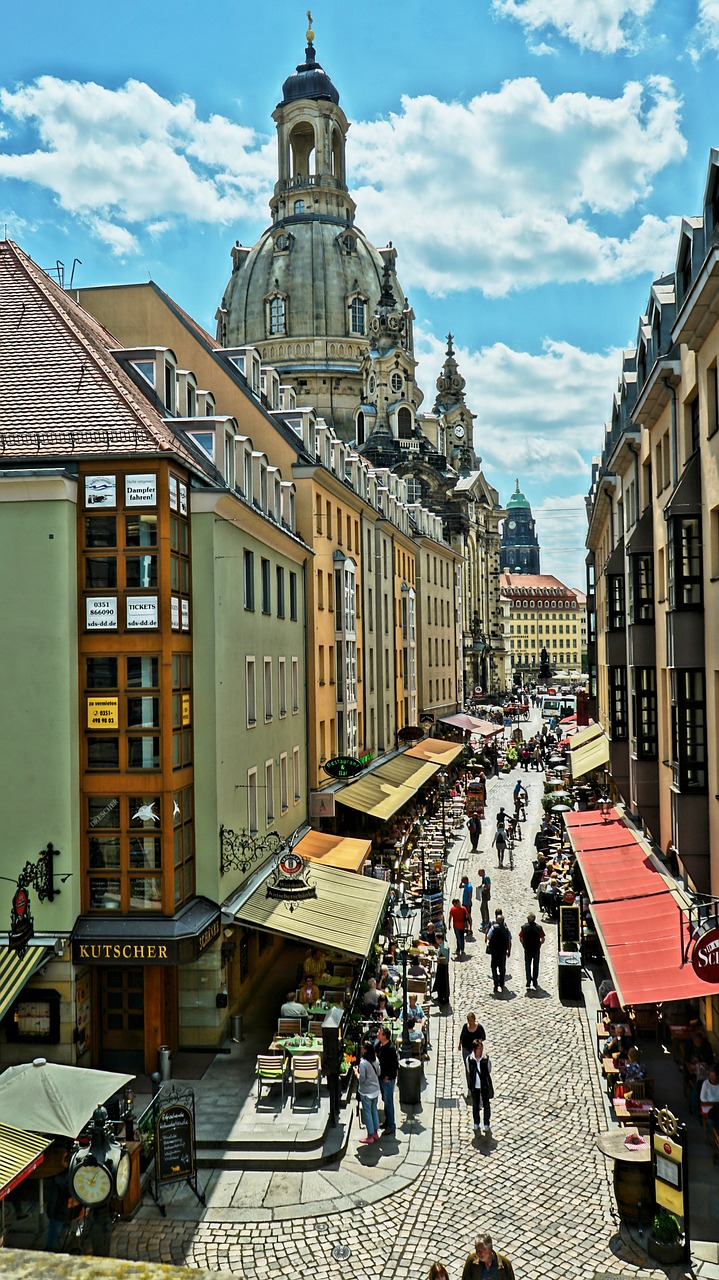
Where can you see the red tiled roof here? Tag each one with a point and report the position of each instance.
(61, 391)
(535, 584)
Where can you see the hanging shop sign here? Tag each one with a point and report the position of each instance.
(343, 767)
(290, 882)
(705, 956)
(426, 718)
(322, 804)
(410, 733)
(22, 926)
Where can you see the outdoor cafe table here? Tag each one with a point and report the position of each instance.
(294, 1045)
(321, 1010)
(638, 1113)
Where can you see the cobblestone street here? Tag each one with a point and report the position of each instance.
(538, 1184)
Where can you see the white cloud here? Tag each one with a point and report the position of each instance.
(538, 416)
(705, 38)
(562, 530)
(499, 193)
(602, 26)
(122, 158)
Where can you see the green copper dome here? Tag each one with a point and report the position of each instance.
(518, 499)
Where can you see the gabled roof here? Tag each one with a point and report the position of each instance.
(62, 393)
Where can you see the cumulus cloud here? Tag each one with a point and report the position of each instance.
(705, 38)
(499, 193)
(126, 157)
(562, 530)
(602, 26)
(539, 416)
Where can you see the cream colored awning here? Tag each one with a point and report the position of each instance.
(15, 971)
(20, 1153)
(375, 796)
(588, 749)
(345, 915)
(334, 851)
(437, 750)
(406, 771)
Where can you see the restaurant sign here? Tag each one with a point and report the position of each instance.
(705, 956)
(122, 948)
(290, 882)
(410, 733)
(343, 767)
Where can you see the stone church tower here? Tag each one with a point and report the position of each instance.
(520, 545)
(305, 293)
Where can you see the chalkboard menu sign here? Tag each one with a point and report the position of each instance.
(175, 1143)
(570, 925)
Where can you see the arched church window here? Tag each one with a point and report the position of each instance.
(360, 428)
(404, 423)
(299, 206)
(358, 316)
(396, 382)
(276, 314)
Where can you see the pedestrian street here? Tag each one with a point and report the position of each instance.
(537, 1183)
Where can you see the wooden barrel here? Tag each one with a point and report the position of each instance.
(634, 1186)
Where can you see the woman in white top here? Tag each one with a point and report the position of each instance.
(368, 1090)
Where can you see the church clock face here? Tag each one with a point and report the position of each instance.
(512, 524)
(459, 431)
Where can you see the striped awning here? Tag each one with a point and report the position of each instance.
(20, 1153)
(15, 971)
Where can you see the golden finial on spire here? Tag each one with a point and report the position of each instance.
(310, 32)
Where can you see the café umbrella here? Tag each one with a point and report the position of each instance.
(55, 1099)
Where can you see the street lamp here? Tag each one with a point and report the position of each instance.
(402, 926)
(561, 809)
(443, 780)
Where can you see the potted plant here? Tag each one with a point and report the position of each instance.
(665, 1242)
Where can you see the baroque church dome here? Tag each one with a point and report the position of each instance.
(305, 293)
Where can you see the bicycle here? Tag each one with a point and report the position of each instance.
(88, 1232)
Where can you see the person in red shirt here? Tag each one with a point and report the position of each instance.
(458, 920)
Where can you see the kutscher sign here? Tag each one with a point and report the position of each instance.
(705, 956)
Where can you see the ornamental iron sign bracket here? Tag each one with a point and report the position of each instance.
(239, 850)
(40, 876)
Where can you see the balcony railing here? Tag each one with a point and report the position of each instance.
(313, 180)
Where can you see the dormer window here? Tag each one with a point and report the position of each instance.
(147, 369)
(349, 243)
(191, 401)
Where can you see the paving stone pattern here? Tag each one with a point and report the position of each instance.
(538, 1183)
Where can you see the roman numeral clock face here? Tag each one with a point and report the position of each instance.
(459, 431)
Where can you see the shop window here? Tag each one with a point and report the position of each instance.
(145, 852)
(145, 893)
(104, 894)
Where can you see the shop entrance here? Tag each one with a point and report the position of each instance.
(122, 1005)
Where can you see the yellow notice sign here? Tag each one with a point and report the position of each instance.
(668, 1180)
(185, 709)
(102, 713)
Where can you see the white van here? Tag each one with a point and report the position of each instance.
(557, 706)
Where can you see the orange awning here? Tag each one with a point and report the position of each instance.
(642, 942)
(438, 750)
(334, 851)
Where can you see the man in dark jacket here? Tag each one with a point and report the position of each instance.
(531, 936)
(388, 1064)
(499, 946)
(486, 1261)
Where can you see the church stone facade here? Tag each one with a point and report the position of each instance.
(325, 308)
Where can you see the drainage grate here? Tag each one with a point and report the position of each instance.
(445, 1104)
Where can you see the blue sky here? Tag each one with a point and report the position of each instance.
(529, 159)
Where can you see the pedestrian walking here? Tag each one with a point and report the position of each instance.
(520, 801)
(440, 983)
(499, 840)
(467, 891)
(482, 790)
(368, 1091)
(437, 1271)
(388, 1063)
(458, 920)
(499, 948)
(479, 1075)
(475, 830)
(484, 889)
(531, 936)
(486, 1261)
(468, 1036)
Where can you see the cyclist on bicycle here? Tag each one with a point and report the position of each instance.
(520, 801)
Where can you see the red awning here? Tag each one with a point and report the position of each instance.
(611, 875)
(588, 818)
(603, 835)
(642, 942)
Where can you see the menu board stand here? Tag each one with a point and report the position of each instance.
(173, 1125)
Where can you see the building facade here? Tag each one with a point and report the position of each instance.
(519, 552)
(543, 614)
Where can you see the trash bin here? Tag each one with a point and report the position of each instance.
(164, 1062)
(410, 1080)
(237, 1030)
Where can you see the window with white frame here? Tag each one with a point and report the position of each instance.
(252, 820)
(295, 689)
(296, 777)
(251, 691)
(284, 797)
(269, 792)
(282, 686)
(267, 683)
